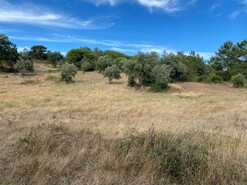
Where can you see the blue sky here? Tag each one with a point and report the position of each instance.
(125, 26)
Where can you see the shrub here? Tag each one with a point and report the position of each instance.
(86, 65)
(161, 74)
(112, 72)
(214, 78)
(24, 66)
(103, 62)
(68, 73)
(239, 80)
(54, 58)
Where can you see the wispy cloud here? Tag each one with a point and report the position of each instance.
(169, 6)
(101, 2)
(241, 10)
(32, 15)
(115, 45)
(235, 14)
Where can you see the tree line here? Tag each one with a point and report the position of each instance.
(143, 69)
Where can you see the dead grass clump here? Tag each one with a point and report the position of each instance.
(30, 81)
(188, 95)
(56, 155)
(192, 158)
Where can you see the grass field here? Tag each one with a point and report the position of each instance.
(91, 132)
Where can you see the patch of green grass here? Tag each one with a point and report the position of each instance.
(52, 78)
(53, 71)
(30, 82)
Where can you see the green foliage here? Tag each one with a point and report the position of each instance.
(75, 56)
(239, 80)
(54, 58)
(161, 74)
(112, 72)
(8, 53)
(230, 59)
(120, 62)
(114, 54)
(148, 70)
(103, 62)
(144, 67)
(196, 68)
(129, 69)
(39, 52)
(24, 66)
(213, 78)
(25, 63)
(68, 73)
(178, 69)
(86, 65)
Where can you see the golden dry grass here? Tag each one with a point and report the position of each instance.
(38, 101)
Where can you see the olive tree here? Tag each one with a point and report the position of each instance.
(112, 72)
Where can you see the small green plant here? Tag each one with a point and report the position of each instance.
(68, 73)
(112, 72)
(239, 80)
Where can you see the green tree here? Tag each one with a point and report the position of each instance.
(8, 53)
(230, 59)
(75, 56)
(195, 65)
(115, 54)
(103, 62)
(54, 58)
(129, 70)
(178, 69)
(39, 52)
(161, 74)
(86, 65)
(140, 69)
(112, 72)
(24, 63)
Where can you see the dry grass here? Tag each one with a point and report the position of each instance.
(37, 103)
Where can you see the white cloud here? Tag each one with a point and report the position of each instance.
(238, 12)
(169, 6)
(21, 48)
(123, 50)
(235, 14)
(29, 14)
(101, 2)
(112, 44)
(206, 55)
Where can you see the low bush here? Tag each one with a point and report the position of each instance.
(24, 66)
(239, 80)
(86, 65)
(68, 73)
